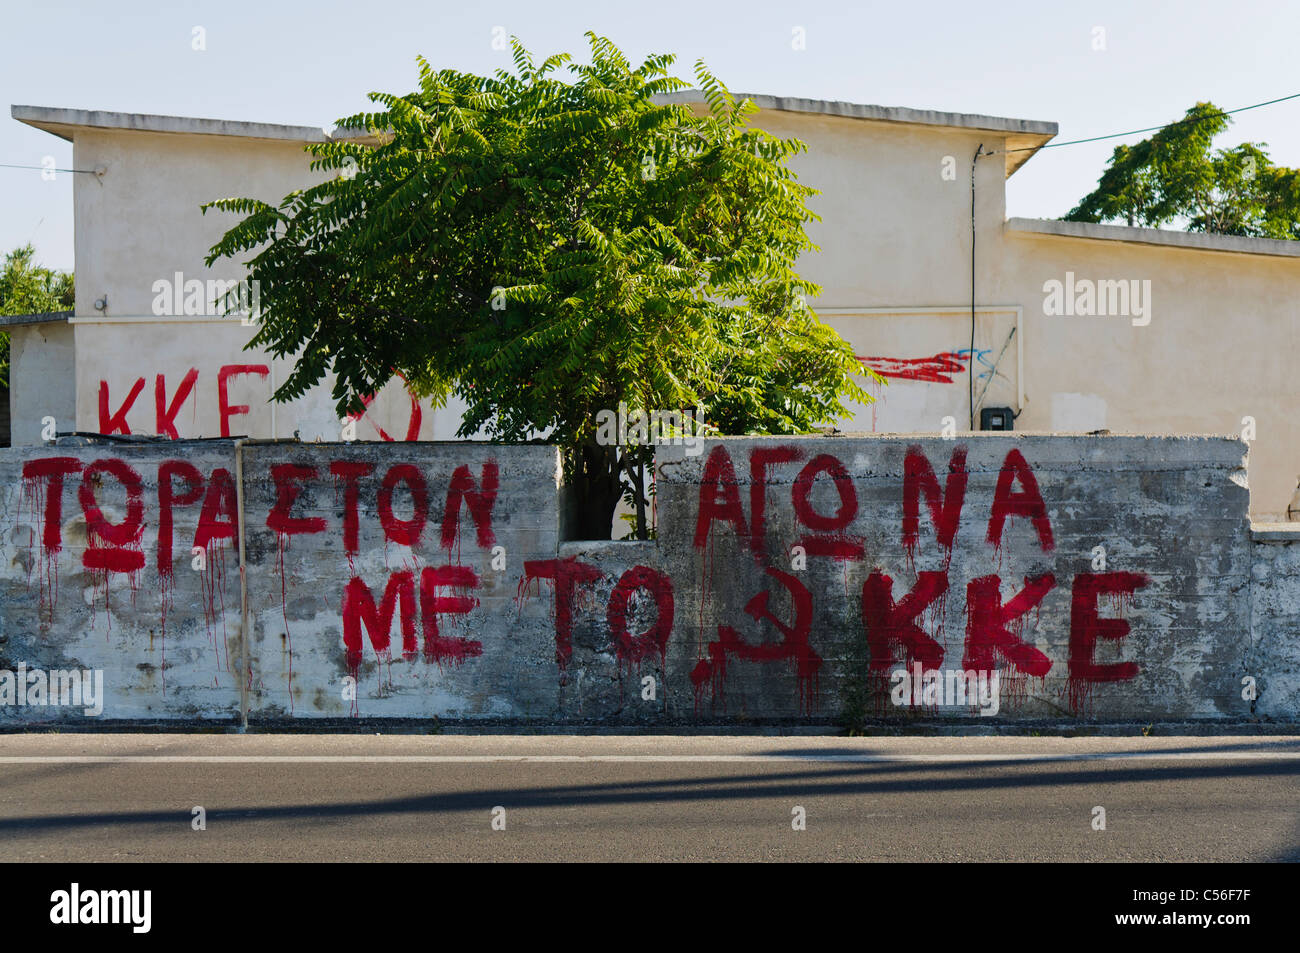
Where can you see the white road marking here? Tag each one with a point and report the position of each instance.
(1286, 755)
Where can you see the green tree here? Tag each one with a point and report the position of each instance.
(1177, 176)
(28, 288)
(545, 249)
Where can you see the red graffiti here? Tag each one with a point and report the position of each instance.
(350, 472)
(168, 471)
(116, 422)
(52, 470)
(945, 505)
(438, 647)
(892, 628)
(359, 610)
(122, 553)
(479, 499)
(412, 425)
(719, 480)
(166, 413)
(404, 532)
(1086, 627)
(219, 518)
(794, 644)
(1027, 502)
(633, 649)
(225, 410)
(287, 478)
(760, 459)
(989, 621)
(934, 370)
(566, 574)
(831, 542)
(44, 477)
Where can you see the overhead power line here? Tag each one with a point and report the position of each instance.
(41, 168)
(1169, 125)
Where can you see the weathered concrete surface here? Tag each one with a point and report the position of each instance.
(1103, 578)
(1275, 619)
(167, 643)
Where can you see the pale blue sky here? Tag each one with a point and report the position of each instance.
(309, 63)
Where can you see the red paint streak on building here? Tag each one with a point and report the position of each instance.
(719, 498)
(165, 413)
(413, 422)
(226, 410)
(829, 540)
(932, 370)
(349, 474)
(760, 459)
(116, 422)
(566, 575)
(218, 523)
(399, 531)
(168, 498)
(359, 610)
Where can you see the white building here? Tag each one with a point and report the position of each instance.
(1200, 343)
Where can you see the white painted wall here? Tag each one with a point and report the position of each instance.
(895, 266)
(42, 381)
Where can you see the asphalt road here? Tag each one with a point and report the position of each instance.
(128, 797)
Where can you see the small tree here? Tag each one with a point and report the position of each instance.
(1175, 175)
(28, 288)
(546, 249)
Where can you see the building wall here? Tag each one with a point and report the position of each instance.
(1216, 349)
(141, 223)
(894, 265)
(42, 360)
(1102, 578)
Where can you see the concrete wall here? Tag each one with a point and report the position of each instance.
(1103, 578)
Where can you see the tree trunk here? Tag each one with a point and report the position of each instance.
(597, 490)
(639, 478)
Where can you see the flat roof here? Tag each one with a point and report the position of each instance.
(64, 122)
(1204, 241)
(1024, 136)
(47, 317)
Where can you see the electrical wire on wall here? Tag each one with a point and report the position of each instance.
(970, 368)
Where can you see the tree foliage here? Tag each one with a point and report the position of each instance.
(546, 247)
(28, 288)
(1177, 176)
